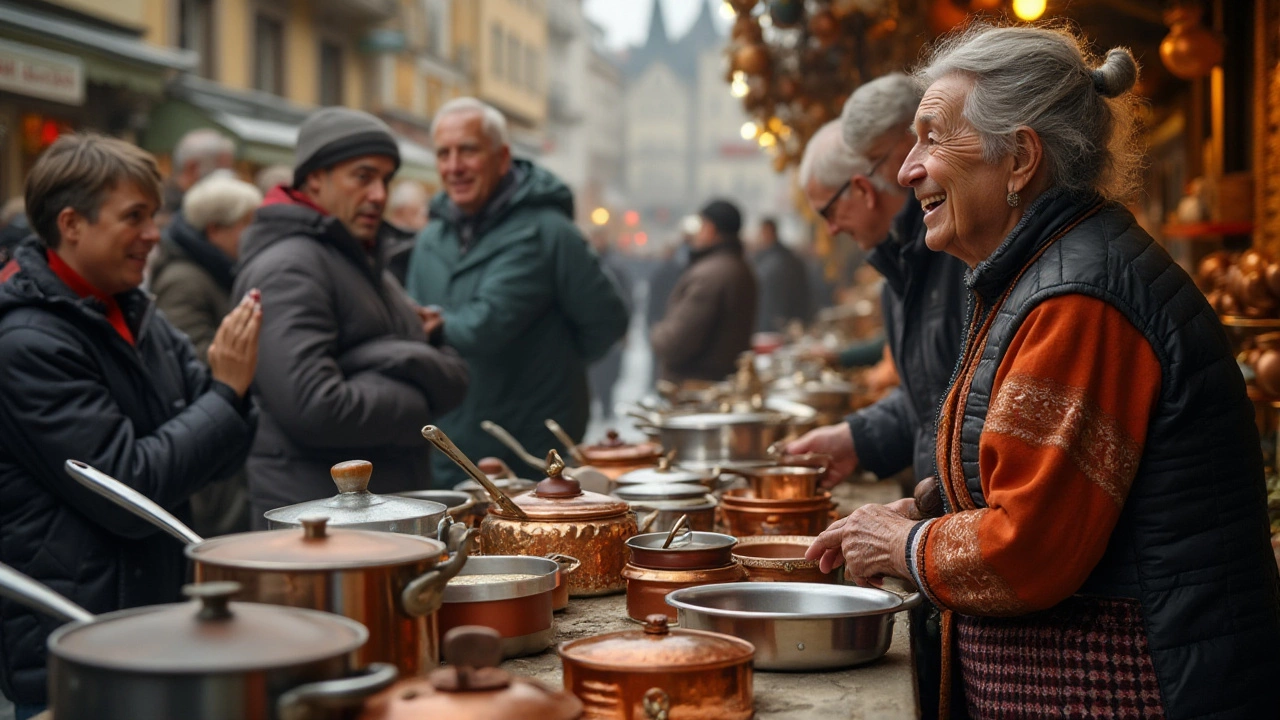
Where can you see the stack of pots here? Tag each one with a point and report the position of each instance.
(659, 505)
(700, 558)
(781, 500)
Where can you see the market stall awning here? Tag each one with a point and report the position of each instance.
(112, 57)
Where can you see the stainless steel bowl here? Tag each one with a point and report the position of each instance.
(707, 439)
(796, 626)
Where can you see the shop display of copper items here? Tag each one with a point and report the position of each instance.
(700, 558)
(780, 558)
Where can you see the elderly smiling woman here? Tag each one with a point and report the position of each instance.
(1103, 551)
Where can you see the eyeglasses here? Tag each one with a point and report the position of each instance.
(826, 209)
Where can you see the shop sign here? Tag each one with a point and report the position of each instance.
(34, 72)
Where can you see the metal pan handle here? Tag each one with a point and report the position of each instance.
(131, 500)
(310, 701)
(501, 435)
(39, 597)
(424, 594)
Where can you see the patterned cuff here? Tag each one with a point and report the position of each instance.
(916, 540)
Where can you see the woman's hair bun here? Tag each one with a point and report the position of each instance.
(1117, 75)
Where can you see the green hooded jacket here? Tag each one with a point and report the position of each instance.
(527, 306)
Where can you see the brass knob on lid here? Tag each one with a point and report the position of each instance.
(214, 597)
(557, 485)
(474, 651)
(656, 624)
(352, 476)
(314, 526)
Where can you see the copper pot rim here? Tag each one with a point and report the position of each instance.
(640, 573)
(651, 670)
(736, 500)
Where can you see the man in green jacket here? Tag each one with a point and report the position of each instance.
(514, 288)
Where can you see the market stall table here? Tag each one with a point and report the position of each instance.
(884, 689)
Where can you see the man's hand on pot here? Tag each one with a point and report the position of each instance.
(871, 543)
(835, 441)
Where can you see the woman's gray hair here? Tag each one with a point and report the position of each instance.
(219, 200)
(1044, 78)
(492, 122)
(830, 162)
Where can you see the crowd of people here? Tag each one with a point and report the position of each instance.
(1087, 517)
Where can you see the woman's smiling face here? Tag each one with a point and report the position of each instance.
(964, 196)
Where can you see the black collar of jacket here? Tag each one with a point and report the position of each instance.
(36, 285)
(299, 220)
(473, 227)
(904, 250)
(1041, 222)
(196, 247)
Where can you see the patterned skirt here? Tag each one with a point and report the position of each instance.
(1084, 658)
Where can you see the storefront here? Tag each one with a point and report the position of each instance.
(59, 74)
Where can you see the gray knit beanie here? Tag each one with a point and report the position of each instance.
(333, 134)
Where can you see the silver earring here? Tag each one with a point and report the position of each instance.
(1013, 199)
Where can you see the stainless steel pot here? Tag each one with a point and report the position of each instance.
(659, 505)
(711, 439)
(205, 660)
(517, 602)
(390, 582)
(355, 508)
(796, 626)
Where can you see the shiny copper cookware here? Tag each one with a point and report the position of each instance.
(390, 582)
(783, 482)
(780, 558)
(659, 672)
(472, 688)
(515, 600)
(699, 558)
(568, 566)
(744, 514)
(615, 457)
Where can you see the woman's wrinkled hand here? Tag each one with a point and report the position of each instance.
(233, 355)
(835, 441)
(871, 543)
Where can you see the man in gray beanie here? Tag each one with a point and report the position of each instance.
(346, 367)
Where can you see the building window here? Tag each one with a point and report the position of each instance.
(268, 51)
(437, 39)
(513, 59)
(495, 42)
(531, 69)
(195, 32)
(330, 73)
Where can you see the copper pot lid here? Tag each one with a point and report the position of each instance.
(354, 504)
(472, 687)
(648, 492)
(613, 449)
(210, 635)
(657, 648)
(666, 472)
(559, 497)
(315, 547)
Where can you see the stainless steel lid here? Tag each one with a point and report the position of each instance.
(355, 505)
(666, 473)
(643, 492)
(210, 635)
(508, 576)
(706, 421)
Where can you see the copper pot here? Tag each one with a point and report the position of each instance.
(745, 515)
(783, 482)
(780, 558)
(562, 518)
(695, 551)
(518, 606)
(658, 672)
(567, 567)
(615, 457)
(647, 588)
(472, 688)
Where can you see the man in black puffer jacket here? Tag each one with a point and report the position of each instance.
(89, 371)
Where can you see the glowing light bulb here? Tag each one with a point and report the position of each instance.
(1028, 10)
(726, 11)
(766, 139)
(738, 88)
(748, 130)
(600, 216)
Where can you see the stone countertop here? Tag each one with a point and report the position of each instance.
(882, 690)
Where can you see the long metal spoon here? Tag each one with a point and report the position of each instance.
(513, 444)
(569, 444)
(131, 500)
(437, 437)
(675, 529)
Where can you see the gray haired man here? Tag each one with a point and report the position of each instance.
(198, 154)
(847, 173)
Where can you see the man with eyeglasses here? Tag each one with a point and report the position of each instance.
(848, 172)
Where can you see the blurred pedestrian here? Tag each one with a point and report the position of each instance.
(89, 372)
(604, 373)
(782, 281)
(712, 310)
(198, 154)
(191, 279)
(14, 227)
(519, 291)
(267, 178)
(406, 216)
(348, 369)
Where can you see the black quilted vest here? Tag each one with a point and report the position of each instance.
(1192, 540)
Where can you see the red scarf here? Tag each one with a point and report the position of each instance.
(284, 195)
(81, 287)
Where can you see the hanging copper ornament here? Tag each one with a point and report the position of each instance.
(752, 59)
(746, 29)
(743, 7)
(944, 16)
(824, 27)
(786, 13)
(1190, 50)
(882, 29)
(786, 88)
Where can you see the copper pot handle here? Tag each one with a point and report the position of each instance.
(436, 437)
(315, 700)
(567, 563)
(424, 594)
(656, 704)
(501, 435)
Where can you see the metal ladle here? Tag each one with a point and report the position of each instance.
(442, 442)
(504, 437)
(569, 444)
(675, 529)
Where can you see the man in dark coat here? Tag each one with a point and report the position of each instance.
(348, 370)
(782, 279)
(519, 291)
(89, 371)
(712, 310)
